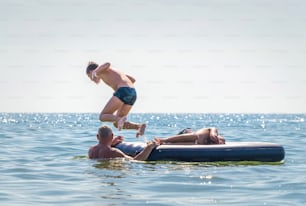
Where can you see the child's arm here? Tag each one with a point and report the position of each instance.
(97, 72)
(182, 138)
(100, 69)
(131, 78)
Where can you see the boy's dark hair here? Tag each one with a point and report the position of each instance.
(91, 66)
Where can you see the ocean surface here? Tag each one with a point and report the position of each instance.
(44, 161)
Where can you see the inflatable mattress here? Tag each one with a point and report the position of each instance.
(231, 151)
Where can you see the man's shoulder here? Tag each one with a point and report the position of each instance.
(117, 151)
(105, 152)
(93, 148)
(92, 152)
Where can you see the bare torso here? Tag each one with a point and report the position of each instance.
(115, 79)
(202, 135)
(103, 151)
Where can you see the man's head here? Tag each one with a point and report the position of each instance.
(105, 134)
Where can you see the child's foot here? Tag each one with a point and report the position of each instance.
(141, 130)
(121, 122)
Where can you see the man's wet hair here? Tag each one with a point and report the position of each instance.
(91, 66)
(104, 131)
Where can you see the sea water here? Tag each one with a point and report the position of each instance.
(44, 161)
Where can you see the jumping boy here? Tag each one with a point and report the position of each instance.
(123, 98)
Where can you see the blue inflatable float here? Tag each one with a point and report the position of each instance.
(231, 151)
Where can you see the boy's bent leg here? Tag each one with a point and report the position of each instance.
(141, 130)
(107, 114)
(131, 125)
(120, 122)
(122, 113)
(107, 117)
(128, 125)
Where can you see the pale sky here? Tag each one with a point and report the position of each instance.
(202, 56)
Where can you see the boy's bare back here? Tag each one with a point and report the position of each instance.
(115, 79)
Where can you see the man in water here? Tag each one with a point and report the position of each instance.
(104, 148)
(123, 98)
(205, 136)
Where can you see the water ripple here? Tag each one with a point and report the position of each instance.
(44, 161)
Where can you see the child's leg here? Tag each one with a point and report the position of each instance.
(107, 114)
(121, 123)
(115, 104)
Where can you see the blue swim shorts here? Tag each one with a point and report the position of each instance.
(126, 94)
